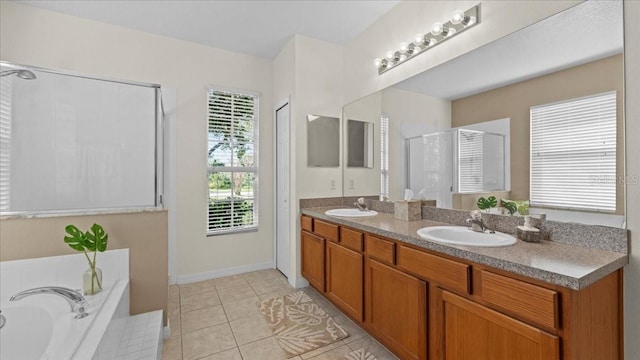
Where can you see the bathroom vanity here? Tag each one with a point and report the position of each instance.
(425, 300)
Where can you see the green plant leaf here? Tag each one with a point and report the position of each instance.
(101, 237)
(510, 206)
(76, 240)
(96, 238)
(493, 202)
(483, 203)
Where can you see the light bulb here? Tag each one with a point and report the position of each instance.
(377, 62)
(419, 38)
(471, 21)
(403, 47)
(411, 48)
(457, 17)
(403, 57)
(436, 29)
(389, 54)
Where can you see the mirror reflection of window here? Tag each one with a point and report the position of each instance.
(359, 144)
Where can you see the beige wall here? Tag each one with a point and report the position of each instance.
(632, 130)
(38, 37)
(144, 234)
(514, 101)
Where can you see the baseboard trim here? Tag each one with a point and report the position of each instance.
(300, 283)
(191, 278)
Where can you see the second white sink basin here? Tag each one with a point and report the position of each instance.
(350, 212)
(460, 235)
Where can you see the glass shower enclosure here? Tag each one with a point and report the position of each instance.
(455, 161)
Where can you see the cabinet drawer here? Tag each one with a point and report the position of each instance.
(326, 230)
(448, 273)
(351, 239)
(380, 249)
(306, 223)
(529, 301)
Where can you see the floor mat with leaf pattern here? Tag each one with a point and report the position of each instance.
(299, 324)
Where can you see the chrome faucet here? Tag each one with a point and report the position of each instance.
(75, 299)
(3, 320)
(476, 223)
(361, 205)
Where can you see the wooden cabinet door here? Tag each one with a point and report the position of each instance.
(396, 310)
(344, 279)
(475, 332)
(313, 260)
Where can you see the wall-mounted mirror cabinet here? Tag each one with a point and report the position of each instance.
(546, 66)
(359, 144)
(323, 141)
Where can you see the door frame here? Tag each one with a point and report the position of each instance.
(279, 105)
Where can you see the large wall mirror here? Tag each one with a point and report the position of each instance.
(518, 88)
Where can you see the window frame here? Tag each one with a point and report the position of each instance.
(256, 168)
(580, 101)
(384, 155)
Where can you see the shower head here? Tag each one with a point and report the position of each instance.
(21, 73)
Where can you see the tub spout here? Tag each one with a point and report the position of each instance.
(76, 301)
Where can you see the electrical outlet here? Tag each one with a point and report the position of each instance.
(332, 186)
(351, 184)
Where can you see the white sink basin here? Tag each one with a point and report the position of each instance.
(459, 235)
(351, 212)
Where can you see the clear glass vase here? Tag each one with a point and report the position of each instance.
(92, 281)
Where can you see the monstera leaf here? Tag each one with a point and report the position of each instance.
(96, 238)
(488, 203)
(511, 206)
(76, 239)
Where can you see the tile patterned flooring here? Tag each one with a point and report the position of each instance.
(220, 319)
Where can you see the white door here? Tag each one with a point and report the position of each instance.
(282, 190)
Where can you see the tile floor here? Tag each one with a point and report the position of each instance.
(220, 319)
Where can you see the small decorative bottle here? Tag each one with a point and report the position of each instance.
(92, 281)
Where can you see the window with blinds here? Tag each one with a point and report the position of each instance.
(384, 155)
(470, 161)
(573, 153)
(5, 142)
(232, 161)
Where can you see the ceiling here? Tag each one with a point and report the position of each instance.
(581, 34)
(258, 28)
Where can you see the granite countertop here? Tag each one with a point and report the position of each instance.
(569, 266)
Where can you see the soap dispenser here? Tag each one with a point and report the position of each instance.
(528, 232)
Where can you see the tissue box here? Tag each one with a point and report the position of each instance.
(408, 210)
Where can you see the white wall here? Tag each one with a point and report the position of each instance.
(42, 38)
(401, 23)
(364, 181)
(632, 130)
(410, 115)
(309, 72)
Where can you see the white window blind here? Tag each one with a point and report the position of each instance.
(384, 155)
(573, 153)
(470, 161)
(232, 161)
(5, 142)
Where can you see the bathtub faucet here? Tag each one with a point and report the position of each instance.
(74, 298)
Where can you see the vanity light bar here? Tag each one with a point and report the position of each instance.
(460, 21)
